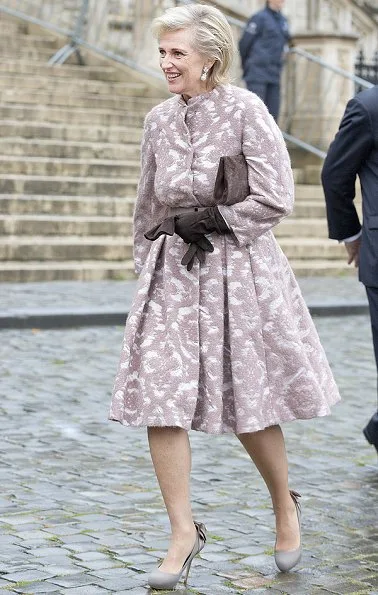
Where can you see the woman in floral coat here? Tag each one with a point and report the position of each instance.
(228, 345)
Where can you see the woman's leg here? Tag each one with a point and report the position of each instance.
(171, 457)
(267, 450)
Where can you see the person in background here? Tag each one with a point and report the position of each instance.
(262, 48)
(354, 152)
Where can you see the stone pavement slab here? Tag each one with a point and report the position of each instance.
(81, 512)
(78, 303)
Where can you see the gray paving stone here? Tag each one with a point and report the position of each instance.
(43, 587)
(27, 575)
(99, 564)
(4, 583)
(92, 555)
(119, 293)
(74, 580)
(134, 581)
(76, 471)
(63, 569)
(87, 590)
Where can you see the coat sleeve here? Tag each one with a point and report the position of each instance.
(346, 155)
(269, 175)
(146, 202)
(251, 32)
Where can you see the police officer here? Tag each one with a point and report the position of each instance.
(262, 49)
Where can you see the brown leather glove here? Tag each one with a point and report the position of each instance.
(167, 227)
(192, 227)
(195, 225)
(195, 252)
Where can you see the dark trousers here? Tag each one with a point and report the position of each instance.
(371, 430)
(270, 94)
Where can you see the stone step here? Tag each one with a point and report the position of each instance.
(39, 55)
(322, 268)
(69, 270)
(90, 206)
(23, 66)
(78, 85)
(67, 185)
(54, 98)
(13, 27)
(44, 166)
(308, 174)
(311, 209)
(10, 42)
(312, 248)
(68, 150)
(315, 209)
(19, 64)
(71, 132)
(47, 225)
(119, 248)
(73, 115)
(96, 270)
(314, 192)
(309, 192)
(24, 248)
(312, 174)
(302, 228)
(298, 175)
(93, 205)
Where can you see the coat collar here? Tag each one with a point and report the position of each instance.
(213, 94)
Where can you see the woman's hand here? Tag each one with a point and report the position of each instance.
(192, 227)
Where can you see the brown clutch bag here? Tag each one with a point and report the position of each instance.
(231, 184)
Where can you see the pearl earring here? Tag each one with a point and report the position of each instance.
(203, 76)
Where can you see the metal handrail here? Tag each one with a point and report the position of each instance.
(77, 40)
(73, 47)
(311, 58)
(14, 12)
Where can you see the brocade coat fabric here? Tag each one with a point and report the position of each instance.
(228, 346)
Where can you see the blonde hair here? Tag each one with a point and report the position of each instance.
(212, 35)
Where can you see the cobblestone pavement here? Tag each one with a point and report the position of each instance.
(80, 510)
(118, 294)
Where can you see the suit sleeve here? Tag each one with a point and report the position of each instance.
(146, 202)
(269, 175)
(346, 155)
(250, 34)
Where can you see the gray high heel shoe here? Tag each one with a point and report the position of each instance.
(168, 580)
(286, 560)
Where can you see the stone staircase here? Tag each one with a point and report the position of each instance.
(304, 235)
(69, 166)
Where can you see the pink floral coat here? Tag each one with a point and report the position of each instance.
(229, 346)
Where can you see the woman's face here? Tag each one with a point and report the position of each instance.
(181, 64)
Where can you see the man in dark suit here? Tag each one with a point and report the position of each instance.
(354, 152)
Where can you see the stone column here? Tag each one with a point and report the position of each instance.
(97, 22)
(144, 44)
(315, 97)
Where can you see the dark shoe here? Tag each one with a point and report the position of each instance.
(287, 559)
(168, 580)
(371, 431)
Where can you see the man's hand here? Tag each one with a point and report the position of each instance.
(353, 250)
